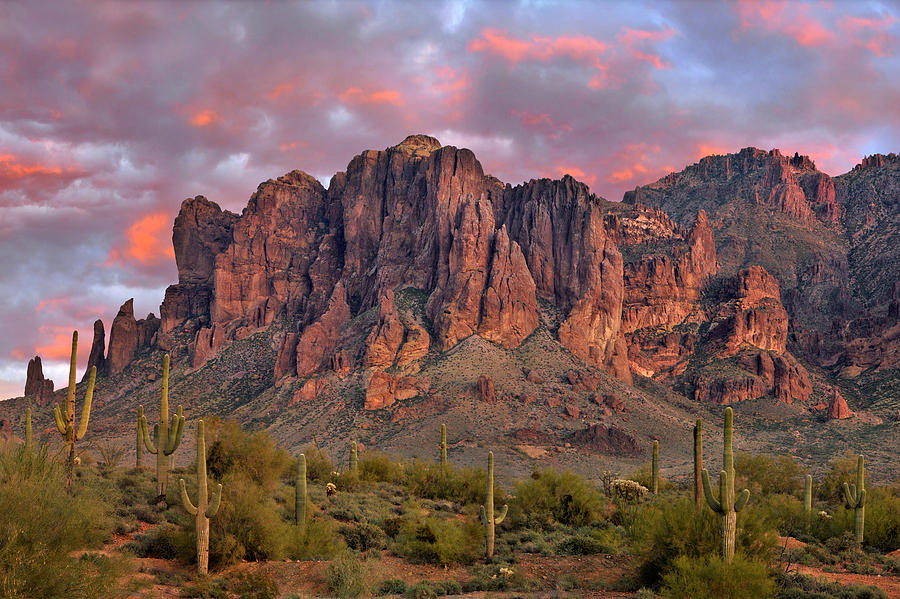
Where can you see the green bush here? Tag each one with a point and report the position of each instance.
(319, 539)
(882, 519)
(160, 542)
(840, 470)
(710, 576)
(318, 465)
(392, 586)
(436, 541)
(565, 497)
(799, 586)
(378, 467)
(346, 576)
(363, 536)
(254, 585)
(598, 540)
(669, 530)
(40, 528)
(644, 476)
(255, 456)
(461, 485)
(766, 474)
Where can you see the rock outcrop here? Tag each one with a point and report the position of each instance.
(98, 348)
(36, 385)
(838, 408)
(123, 338)
(609, 440)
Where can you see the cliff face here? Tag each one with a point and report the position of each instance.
(416, 215)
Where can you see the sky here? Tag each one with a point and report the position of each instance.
(113, 113)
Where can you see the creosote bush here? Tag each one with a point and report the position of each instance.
(768, 474)
(550, 496)
(347, 576)
(710, 576)
(435, 540)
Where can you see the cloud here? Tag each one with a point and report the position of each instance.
(105, 126)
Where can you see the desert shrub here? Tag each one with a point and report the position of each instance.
(40, 528)
(318, 465)
(421, 590)
(840, 470)
(561, 497)
(18, 465)
(255, 456)
(319, 539)
(799, 586)
(766, 474)
(160, 542)
(248, 525)
(670, 530)
(588, 542)
(436, 541)
(392, 586)
(346, 576)
(710, 576)
(378, 467)
(253, 585)
(363, 536)
(882, 519)
(644, 475)
(461, 485)
(786, 511)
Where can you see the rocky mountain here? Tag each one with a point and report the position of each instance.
(417, 289)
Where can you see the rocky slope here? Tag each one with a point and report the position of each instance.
(416, 288)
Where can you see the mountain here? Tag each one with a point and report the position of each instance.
(538, 318)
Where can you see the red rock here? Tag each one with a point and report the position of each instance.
(730, 390)
(532, 376)
(384, 341)
(791, 379)
(609, 440)
(382, 389)
(838, 408)
(484, 389)
(553, 401)
(36, 385)
(530, 435)
(571, 411)
(582, 380)
(98, 347)
(615, 403)
(318, 340)
(6, 432)
(286, 362)
(311, 389)
(207, 343)
(123, 339)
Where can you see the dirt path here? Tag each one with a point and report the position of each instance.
(888, 584)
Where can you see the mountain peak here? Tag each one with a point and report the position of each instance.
(418, 145)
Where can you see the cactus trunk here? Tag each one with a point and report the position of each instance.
(300, 494)
(166, 435)
(205, 508)
(443, 446)
(698, 463)
(807, 495)
(354, 457)
(29, 446)
(487, 510)
(727, 505)
(65, 415)
(654, 469)
(855, 499)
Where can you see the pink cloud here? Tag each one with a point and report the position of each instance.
(355, 95)
(631, 39)
(789, 19)
(147, 241)
(538, 48)
(871, 33)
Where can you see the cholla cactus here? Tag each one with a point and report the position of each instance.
(487, 510)
(65, 415)
(330, 490)
(855, 499)
(206, 508)
(166, 435)
(628, 489)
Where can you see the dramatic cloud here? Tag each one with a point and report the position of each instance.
(111, 113)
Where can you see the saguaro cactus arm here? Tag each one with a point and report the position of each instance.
(215, 502)
(175, 432)
(742, 500)
(60, 421)
(86, 406)
(145, 433)
(713, 503)
(186, 500)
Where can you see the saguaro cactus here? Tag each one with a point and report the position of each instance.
(807, 495)
(354, 457)
(698, 463)
(206, 508)
(654, 469)
(726, 506)
(300, 494)
(443, 446)
(29, 446)
(139, 446)
(65, 416)
(487, 510)
(166, 435)
(855, 499)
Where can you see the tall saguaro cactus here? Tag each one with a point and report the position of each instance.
(300, 494)
(443, 446)
(65, 415)
(654, 469)
(855, 499)
(29, 446)
(354, 457)
(698, 463)
(726, 506)
(139, 446)
(807, 495)
(206, 508)
(166, 435)
(487, 510)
